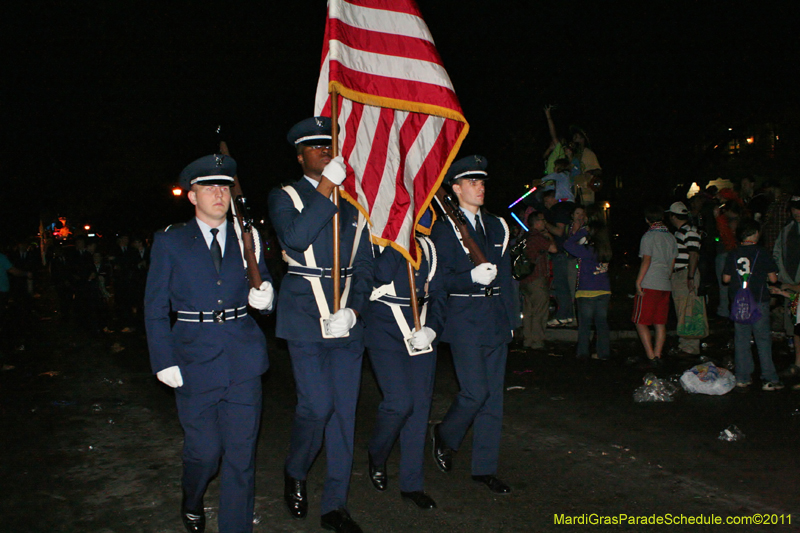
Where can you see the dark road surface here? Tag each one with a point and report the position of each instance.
(92, 444)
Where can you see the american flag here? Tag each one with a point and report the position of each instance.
(401, 122)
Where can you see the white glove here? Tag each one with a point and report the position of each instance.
(171, 376)
(261, 298)
(335, 171)
(341, 322)
(423, 338)
(484, 273)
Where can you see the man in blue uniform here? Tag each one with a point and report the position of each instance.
(325, 347)
(481, 314)
(214, 354)
(404, 363)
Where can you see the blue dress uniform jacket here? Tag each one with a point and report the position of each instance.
(297, 312)
(476, 320)
(405, 381)
(478, 328)
(219, 404)
(182, 277)
(327, 372)
(382, 330)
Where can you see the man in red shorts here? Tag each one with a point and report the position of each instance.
(658, 250)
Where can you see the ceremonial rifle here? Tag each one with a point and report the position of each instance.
(450, 208)
(242, 218)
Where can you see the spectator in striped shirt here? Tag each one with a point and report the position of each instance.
(685, 275)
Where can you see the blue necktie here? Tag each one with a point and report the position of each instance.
(480, 232)
(216, 250)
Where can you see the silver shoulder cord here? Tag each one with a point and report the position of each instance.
(256, 237)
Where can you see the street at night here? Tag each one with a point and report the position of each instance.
(92, 445)
(628, 163)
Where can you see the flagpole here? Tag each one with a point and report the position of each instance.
(412, 284)
(336, 266)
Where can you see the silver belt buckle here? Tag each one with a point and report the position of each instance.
(219, 316)
(489, 291)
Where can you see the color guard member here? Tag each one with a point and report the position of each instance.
(214, 354)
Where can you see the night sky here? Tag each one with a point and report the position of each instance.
(103, 103)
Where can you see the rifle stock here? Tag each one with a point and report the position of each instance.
(245, 224)
(450, 208)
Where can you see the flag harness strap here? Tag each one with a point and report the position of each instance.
(388, 290)
(315, 281)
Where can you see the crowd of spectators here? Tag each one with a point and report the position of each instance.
(98, 285)
(567, 242)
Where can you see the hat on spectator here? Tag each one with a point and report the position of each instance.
(311, 131)
(216, 169)
(678, 208)
(471, 167)
(794, 201)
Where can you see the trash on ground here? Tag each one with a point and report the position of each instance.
(52, 373)
(523, 371)
(117, 347)
(707, 378)
(515, 387)
(731, 434)
(554, 355)
(655, 390)
(8, 367)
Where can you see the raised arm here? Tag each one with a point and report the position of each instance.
(550, 124)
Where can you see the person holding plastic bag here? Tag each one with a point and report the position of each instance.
(748, 268)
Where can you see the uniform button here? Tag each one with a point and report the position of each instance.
(219, 282)
(219, 302)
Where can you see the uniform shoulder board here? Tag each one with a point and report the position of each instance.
(179, 225)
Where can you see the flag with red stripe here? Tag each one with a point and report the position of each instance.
(400, 122)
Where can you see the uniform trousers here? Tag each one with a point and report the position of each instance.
(407, 386)
(222, 424)
(481, 374)
(327, 378)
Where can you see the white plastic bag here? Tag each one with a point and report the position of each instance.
(707, 378)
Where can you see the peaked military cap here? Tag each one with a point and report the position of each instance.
(213, 169)
(314, 130)
(471, 167)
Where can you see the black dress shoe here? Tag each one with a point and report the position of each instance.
(442, 455)
(420, 499)
(377, 474)
(294, 493)
(339, 521)
(193, 520)
(494, 484)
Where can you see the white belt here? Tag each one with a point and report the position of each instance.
(213, 316)
(487, 292)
